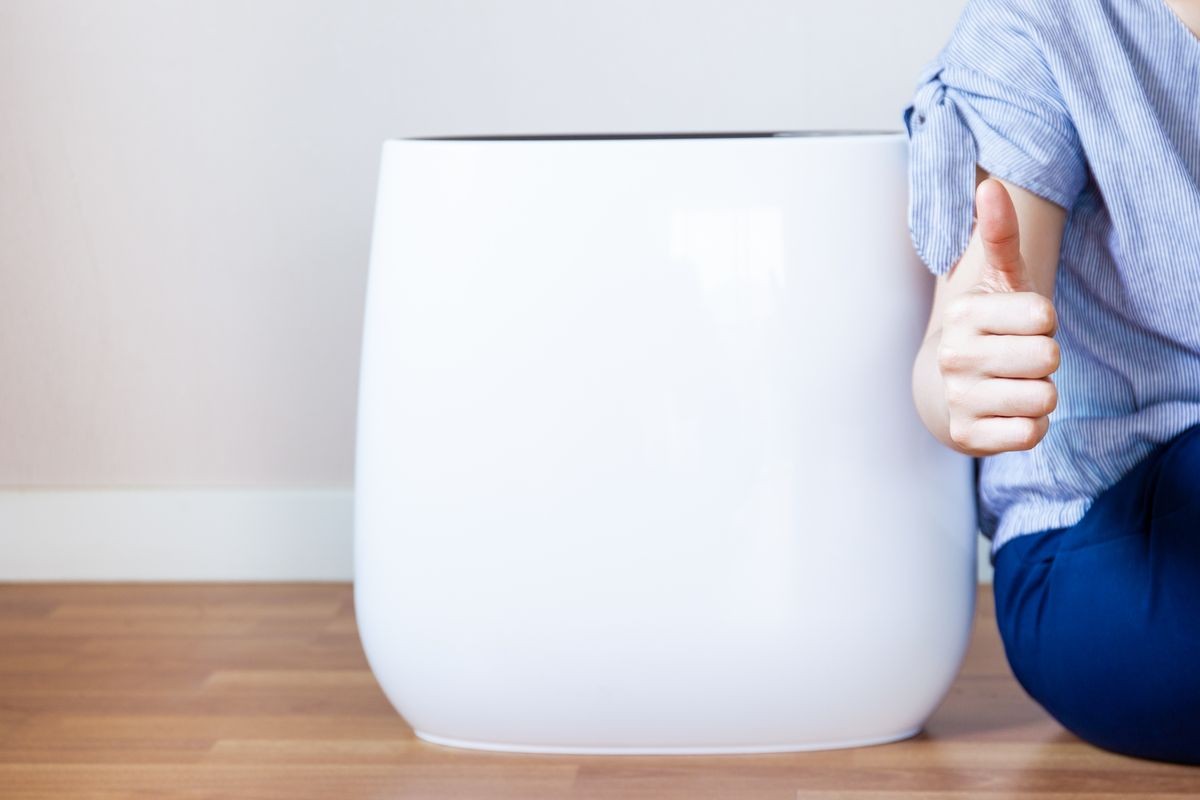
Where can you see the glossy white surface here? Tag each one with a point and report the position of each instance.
(638, 465)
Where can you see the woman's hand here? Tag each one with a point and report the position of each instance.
(997, 350)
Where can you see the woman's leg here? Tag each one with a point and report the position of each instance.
(1101, 620)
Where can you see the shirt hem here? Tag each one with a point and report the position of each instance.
(1030, 519)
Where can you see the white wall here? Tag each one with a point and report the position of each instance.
(186, 193)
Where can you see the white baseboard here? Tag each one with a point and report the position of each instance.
(188, 535)
(176, 534)
(984, 559)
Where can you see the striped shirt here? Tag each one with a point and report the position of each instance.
(1093, 105)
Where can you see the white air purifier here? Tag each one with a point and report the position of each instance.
(638, 467)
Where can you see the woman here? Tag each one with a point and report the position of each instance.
(1055, 192)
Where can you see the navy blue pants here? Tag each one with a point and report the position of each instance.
(1101, 620)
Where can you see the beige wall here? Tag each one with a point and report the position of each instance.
(186, 189)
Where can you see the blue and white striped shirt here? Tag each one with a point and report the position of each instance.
(1094, 105)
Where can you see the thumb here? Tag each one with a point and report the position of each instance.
(1004, 269)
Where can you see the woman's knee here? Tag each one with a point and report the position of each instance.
(1124, 719)
(1121, 693)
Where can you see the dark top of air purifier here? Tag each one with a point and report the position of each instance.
(685, 135)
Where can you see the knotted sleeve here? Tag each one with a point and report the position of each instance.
(989, 98)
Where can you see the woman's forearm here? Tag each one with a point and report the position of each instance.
(981, 378)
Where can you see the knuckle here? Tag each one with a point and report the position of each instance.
(949, 358)
(1050, 354)
(1029, 437)
(1042, 312)
(1028, 433)
(960, 432)
(956, 394)
(958, 310)
(1049, 399)
(1042, 355)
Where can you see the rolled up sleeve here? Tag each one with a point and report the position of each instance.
(989, 98)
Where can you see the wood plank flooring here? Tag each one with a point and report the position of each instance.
(262, 691)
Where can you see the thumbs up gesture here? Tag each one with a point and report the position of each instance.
(997, 349)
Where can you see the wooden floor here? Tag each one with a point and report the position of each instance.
(262, 691)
